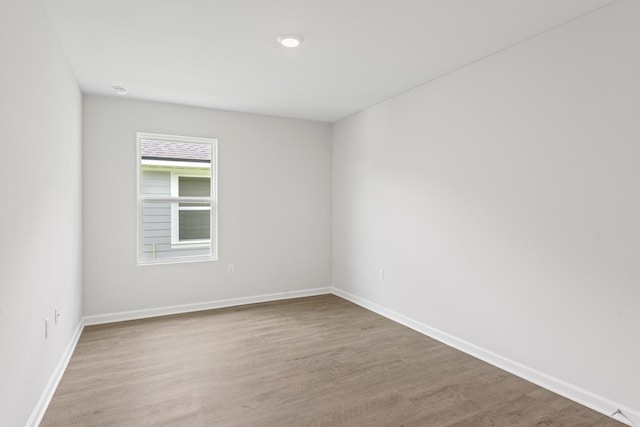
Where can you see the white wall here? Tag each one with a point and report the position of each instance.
(40, 206)
(503, 202)
(274, 190)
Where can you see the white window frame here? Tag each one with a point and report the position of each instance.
(174, 199)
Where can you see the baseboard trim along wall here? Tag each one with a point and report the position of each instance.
(54, 380)
(200, 306)
(570, 391)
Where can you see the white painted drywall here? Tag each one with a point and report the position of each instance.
(503, 203)
(40, 206)
(274, 190)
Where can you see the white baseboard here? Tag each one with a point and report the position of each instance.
(200, 306)
(54, 380)
(584, 397)
(563, 388)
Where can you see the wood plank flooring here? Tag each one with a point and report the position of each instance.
(319, 361)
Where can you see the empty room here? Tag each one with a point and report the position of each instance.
(320, 213)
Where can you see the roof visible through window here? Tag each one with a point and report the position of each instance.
(183, 151)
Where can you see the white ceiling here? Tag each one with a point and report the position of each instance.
(223, 53)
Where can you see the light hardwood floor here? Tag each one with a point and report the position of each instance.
(319, 361)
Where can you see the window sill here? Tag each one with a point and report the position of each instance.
(177, 260)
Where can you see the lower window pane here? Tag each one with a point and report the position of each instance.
(169, 232)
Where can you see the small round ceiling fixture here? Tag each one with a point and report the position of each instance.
(119, 90)
(290, 40)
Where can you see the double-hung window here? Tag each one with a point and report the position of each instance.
(176, 198)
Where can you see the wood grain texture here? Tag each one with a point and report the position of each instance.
(318, 361)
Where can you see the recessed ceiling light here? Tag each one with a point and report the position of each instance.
(290, 40)
(119, 90)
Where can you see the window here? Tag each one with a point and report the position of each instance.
(176, 198)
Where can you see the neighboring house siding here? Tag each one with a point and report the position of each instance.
(156, 219)
(156, 183)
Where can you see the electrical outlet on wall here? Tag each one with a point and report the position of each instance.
(381, 274)
(56, 315)
(230, 269)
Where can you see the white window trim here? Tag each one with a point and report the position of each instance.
(213, 200)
